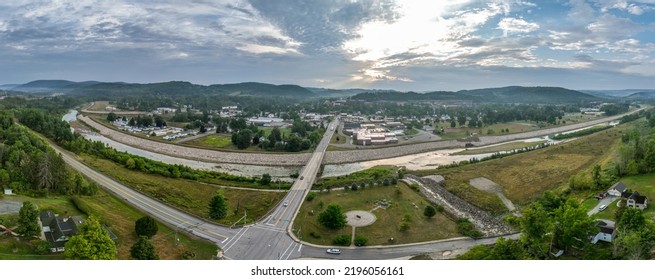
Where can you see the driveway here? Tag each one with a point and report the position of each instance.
(605, 201)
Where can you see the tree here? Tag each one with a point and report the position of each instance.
(453, 124)
(159, 121)
(536, 225)
(266, 179)
(332, 217)
(143, 250)
(111, 117)
(572, 225)
(243, 138)
(92, 242)
(218, 207)
(202, 129)
(28, 220)
(429, 211)
(146, 226)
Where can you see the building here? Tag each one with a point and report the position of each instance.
(635, 200)
(376, 136)
(57, 231)
(617, 189)
(607, 231)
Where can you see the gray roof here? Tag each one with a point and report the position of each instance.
(59, 228)
(619, 187)
(639, 199)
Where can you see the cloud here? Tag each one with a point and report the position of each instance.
(94, 25)
(516, 25)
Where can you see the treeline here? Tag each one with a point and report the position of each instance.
(78, 144)
(579, 133)
(635, 155)
(28, 165)
(556, 222)
(302, 137)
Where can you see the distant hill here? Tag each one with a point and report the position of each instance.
(642, 95)
(165, 88)
(614, 93)
(261, 89)
(342, 93)
(513, 94)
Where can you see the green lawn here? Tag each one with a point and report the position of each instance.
(212, 140)
(645, 185)
(404, 203)
(367, 176)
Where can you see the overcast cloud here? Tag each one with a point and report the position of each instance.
(405, 45)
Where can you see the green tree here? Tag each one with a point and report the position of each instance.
(28, 220)
(218, 207)
(111, 117)
(360, 241)
(572, 225)
(146, 226)
(453, 124)
(429, 211)
(92, 242)
(243, 139)
(332, 217)
(536, 230)
(266, 179)
(143, 250)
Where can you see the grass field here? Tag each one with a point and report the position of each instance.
(526, 176)
(365, 176)
(342, 139)
(99, 106)
(500, 148)
(120, 218)
(190, 196)
(405, 203)
(219, 141)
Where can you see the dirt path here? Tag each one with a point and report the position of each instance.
(486, 185)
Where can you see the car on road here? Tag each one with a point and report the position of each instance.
(302, 177)
(286, 203)
(333, 251)
(602, 207)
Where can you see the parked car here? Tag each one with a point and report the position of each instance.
(333, 251)
(602, 207)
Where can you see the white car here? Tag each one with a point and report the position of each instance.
(286, 203)
(602, 207)
(333, 251)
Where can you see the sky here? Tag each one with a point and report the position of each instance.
(421, 45)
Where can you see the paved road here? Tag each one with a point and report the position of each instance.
(270, 238)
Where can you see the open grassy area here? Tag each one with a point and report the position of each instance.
(338, 139)
(645, 185)
(190, 196)
(367, 176)
(119, 217)
(500, 148)
(98, 106)
(219, 141)
(513, 127)
(526, 176)
(405, 203)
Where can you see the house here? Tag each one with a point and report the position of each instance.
(635, 200)
(57, 231)
(607, 231)
(617, 189)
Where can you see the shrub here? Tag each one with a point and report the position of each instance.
(311, 196)
(466, 228)
(360, 240)
(342, 240)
